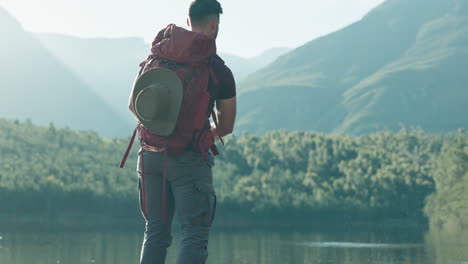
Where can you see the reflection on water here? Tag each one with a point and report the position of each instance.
(239, 247)
(449, 248)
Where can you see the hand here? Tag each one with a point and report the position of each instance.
(215, 132)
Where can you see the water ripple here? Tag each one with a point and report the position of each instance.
(357, 245)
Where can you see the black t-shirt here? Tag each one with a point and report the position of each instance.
(226, 87)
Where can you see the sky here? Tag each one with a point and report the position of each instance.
(248, 27)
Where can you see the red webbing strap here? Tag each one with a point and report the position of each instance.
(143, 188)
(215, 119)
(164, 188)
(130, 144)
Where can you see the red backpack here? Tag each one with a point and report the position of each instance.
(189, 55)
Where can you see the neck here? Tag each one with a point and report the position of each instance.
(200, 30)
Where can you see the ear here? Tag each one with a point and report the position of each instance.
(188, 22)
(213, 25)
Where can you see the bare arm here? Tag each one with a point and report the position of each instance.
(226, 113)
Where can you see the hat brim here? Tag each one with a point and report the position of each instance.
(165, 78)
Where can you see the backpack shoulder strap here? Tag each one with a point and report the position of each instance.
(215, 120)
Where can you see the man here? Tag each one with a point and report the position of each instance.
(189, 182)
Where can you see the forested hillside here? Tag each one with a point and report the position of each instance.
(382, 175)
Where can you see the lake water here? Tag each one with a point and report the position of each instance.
(239, 247)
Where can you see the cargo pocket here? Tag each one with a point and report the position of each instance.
(210, 160)
(211, 212)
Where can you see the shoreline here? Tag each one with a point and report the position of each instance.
(222, 221)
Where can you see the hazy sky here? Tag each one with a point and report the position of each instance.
(248, 27)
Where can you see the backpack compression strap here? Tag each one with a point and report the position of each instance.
(130, 144)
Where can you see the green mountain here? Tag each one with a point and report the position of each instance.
(36, 85)
(404, 62)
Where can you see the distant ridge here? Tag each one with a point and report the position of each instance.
(243, 67)
(404, 62)
(107, 65)
(35, 85)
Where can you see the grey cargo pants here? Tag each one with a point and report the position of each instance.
(190, 192)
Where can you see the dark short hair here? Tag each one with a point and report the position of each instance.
(201, 9)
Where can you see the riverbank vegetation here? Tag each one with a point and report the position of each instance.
(386, 175)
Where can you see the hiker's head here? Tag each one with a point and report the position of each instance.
(204, 17)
